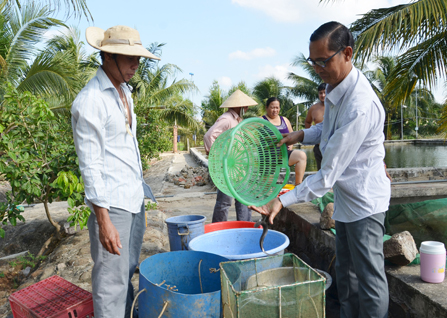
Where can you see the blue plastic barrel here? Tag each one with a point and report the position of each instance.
(182, 229)
(236, 244)
(172, 280)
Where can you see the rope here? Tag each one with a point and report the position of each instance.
(164, 308)
(134, 301)
(200, 277)
(329, 268)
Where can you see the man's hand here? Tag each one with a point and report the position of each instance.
(291, 138)
(108, 235)
(271, 209)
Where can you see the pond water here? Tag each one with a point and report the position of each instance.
(401, 156)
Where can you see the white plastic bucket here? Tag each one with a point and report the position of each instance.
(433, 257)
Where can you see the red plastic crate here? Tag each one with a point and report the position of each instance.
(53, 297)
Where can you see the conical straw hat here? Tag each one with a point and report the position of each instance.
(238, 99)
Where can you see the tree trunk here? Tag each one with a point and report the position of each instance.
(52, 242)
(175, 138)
(56, 225)
(388, 127)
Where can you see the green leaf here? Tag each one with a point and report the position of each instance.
(70, 202)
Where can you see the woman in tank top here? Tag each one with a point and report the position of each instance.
(296, 157)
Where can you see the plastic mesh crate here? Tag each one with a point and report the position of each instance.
(53, 297)
(272, 287)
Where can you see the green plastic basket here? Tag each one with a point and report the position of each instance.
(245, 163)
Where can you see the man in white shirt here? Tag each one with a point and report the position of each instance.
(351, 141)
(104, 132)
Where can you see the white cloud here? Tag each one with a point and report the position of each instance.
(225, 82)
(298, 12)
(256, 53)
(280, 72)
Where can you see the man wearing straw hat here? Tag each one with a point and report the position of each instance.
(237, 102)
(104, 131)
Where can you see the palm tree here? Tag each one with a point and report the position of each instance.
(306, 88)
(379, 79)
(272, 87)
(53, 72)
(76, 7)
(268, 87)
(179, 112)
(155, 90)
(417, 30)
(21, 30)
(211, 103)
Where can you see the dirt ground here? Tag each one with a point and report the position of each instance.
(71, 259)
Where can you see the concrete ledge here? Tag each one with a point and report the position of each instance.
(416, 192)
(410, 297)
(198, 157)
(441, 142)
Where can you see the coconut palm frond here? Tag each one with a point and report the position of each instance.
(73, 7)
(304, 87)
(423, 62)
(301, 61)
(269, 87)
(25, 28)
(52, 74)
(179, 110)
(399, 27)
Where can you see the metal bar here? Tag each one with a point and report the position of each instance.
(415, 182)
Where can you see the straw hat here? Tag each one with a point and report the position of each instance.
(119, 39)
(238, 99)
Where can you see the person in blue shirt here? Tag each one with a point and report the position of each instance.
(351, 141)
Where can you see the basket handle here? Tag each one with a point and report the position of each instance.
(133, 303)
(179, 226)
(165, 304)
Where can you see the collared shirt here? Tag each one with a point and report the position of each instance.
(351, 141)
(109, 157)
(226, 121)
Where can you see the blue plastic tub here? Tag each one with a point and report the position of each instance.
(182, 229)
(172, 280)
(236, 244)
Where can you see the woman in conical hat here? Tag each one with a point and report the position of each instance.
(236, 103)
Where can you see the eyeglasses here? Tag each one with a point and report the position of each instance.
(322, 63)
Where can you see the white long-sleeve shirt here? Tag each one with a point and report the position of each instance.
(351, 141)
(109, 157)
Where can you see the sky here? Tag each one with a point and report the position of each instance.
(227, 40)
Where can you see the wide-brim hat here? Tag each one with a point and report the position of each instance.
(238, 99)
(119, 39)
